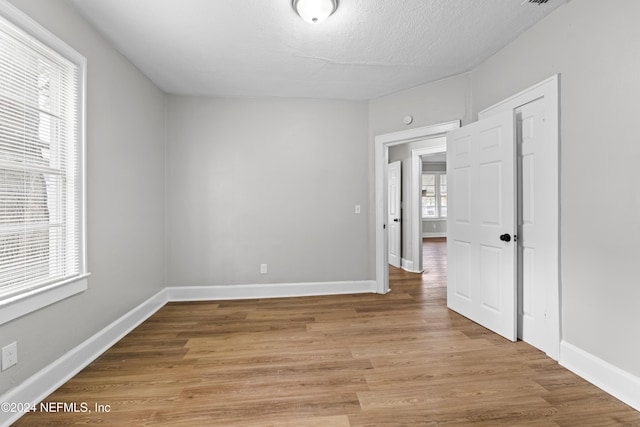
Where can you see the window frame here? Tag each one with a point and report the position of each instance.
(17, 305)
(438, 176)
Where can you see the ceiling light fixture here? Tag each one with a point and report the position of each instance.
(315, 11)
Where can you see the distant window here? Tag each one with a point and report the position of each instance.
(41, 163)
(434, 195)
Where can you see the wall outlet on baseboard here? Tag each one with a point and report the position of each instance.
(263, 268)
(9, 355)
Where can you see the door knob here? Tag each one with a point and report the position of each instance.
(396, 220)
(505, 237)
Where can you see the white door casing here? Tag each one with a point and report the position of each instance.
(481, 281)
(380, 160)
(394, 192)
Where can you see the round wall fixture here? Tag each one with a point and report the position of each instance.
(407, 120)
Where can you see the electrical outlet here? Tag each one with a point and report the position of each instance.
(9, 355)
(263, 268)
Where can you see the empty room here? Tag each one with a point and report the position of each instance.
(319, 212)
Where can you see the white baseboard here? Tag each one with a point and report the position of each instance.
(271, 290)
(436, 234)
(408, 265)
(618, 383)
(40, 385)
(44, 382)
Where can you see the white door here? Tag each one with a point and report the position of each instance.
(394, 183)
(536, 230)
(481, 223)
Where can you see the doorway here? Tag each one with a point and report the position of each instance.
(405, 225)
(381, 160)
(548, 91)
(432, 159)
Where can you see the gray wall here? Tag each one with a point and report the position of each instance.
(442, 101)
(434, 226)
(266, 180)
(125, 135)
(594, 45)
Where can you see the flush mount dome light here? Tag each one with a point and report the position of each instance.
(315, 11)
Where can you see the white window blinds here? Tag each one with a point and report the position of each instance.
(40, 170)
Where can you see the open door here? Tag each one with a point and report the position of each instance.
(394, 182)
(481, 223)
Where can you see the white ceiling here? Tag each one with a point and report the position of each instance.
(366, 49)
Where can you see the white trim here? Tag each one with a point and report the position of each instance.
(44, 382)
(435, 234)
(415, 197)
(30, 301)
(381, 158)
(549, 90)
(271, 290)
(619, 383)
(529, 94)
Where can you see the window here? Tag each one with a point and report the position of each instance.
(42, 250)
(434, 195)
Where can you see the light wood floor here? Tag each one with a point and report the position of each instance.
(400, 359)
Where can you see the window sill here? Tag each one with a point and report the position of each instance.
(19, 305)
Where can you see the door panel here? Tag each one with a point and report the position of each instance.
(490, 183)
(462, 285)
(490, 279)
(481, 178)
(394, 182)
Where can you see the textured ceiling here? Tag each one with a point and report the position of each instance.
(366, 49)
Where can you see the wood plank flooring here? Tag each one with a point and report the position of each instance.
(400, 359)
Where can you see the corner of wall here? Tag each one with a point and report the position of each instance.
(164, 174)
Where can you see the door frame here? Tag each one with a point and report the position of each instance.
(381, 158)
(416, 198)
(547, 89)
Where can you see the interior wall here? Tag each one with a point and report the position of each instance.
(593, 46)
(266, 180)
(125, 157)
